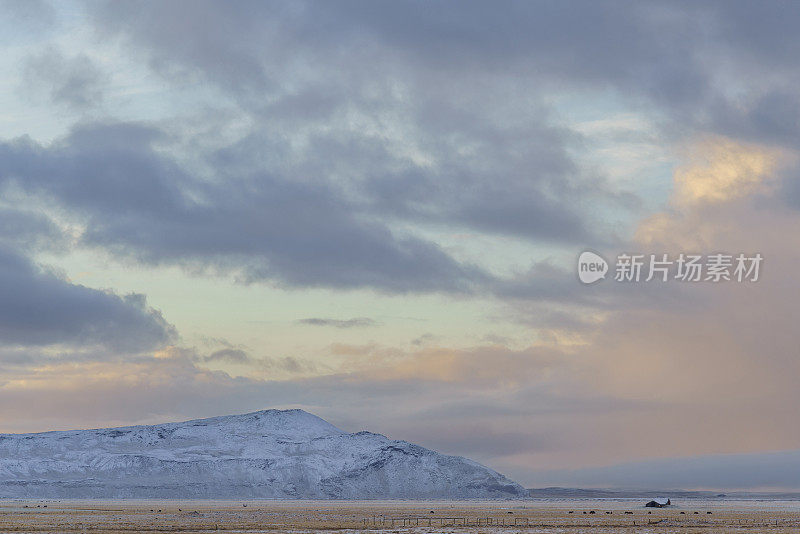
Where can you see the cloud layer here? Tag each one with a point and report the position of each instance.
(444, 160)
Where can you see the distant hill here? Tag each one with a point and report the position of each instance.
(598, 493)
(266, 454)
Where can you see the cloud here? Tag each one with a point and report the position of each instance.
(258, 365)
(703, 67)
(342, 144)
(425, 37)
(492, 364)
(38, 308)
(228, 355)
(726, 170)
(356, 322)
(424, 339)
(137, 202)
(409, 132)
(430, 146)
(718, 359)
(37, 16)
(89, 392)
(29, 230)
(75, 82)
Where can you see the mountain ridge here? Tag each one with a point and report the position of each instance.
(263, 454)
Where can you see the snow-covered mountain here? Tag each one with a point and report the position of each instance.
(267, 454)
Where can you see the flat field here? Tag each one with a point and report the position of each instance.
(529, 516)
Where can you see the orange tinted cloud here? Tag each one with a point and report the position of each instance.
(722, 169)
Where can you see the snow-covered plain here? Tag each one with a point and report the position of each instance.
(287, 454)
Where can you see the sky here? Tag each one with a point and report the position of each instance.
(373, 211)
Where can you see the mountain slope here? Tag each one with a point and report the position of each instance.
(267, 454)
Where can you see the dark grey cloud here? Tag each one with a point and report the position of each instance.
(228, 355)
(496, 159)
(74, 82)
(684, 57)
(289, 364)
(267, 364)
(356, 322)
(548, 283)
(604, 42)
(25, 229)
(466, 79)
(513, 181)
(681, 56)
(423, 339)
(37, 308)
(137, 202)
